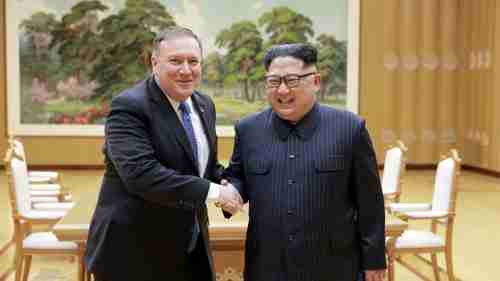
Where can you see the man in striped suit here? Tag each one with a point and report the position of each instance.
(310, 175)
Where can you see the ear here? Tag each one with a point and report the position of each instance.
(317, 81)
(154, 63)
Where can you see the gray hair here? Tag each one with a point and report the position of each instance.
(174, 32)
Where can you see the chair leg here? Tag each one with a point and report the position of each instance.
(449, 266)
(27, 265)
(81, 269)
(435, 266)
(7, 246)
(19, 265)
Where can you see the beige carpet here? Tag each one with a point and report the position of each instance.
(476, 239)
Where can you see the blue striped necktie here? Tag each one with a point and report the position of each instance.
(188, 126)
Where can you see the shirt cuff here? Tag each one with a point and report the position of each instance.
(213, 192)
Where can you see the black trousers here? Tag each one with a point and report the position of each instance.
(199, 268)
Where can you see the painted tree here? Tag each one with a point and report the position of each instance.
(38, 29)
(243, 42)
(285, 26)
(125, 45)
(214, 71)
(35, 48)
(76, 38)
(332, 64)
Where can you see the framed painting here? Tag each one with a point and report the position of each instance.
(67, 58)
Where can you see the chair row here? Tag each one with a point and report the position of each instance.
(440, 212)
(38, 201)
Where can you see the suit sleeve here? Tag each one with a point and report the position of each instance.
(129, 147)
(369, 201)
(218, 170)
(234, 172)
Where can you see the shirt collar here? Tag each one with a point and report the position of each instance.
(304, 129)
(175, 104)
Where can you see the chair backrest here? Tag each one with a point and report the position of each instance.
(392, 170)
(394, 164)
(445, 182)
(20, 185)
(18, 147)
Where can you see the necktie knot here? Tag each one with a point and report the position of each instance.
(184, 107)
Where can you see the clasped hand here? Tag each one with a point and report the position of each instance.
(229, 198)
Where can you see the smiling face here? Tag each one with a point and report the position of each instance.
(292, 104)
(177, 65)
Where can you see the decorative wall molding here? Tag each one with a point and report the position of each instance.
(391, 61)
(410, 62)
(430, 61)
(229, 274)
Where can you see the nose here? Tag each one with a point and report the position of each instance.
(283, 88)
(184, 68)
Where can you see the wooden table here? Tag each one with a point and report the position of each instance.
(227, 237)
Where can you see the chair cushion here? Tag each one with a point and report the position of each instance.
(44, 192)
(419, 239)
(48, 174)
(41, 214)
(409, 207)
(54, 206)
(47, 241)
(38, 179)
(46, 186)
(44, 199)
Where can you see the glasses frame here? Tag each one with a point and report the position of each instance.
(286, 78)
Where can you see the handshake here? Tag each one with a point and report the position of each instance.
(229, 198)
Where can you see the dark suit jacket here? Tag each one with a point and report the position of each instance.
(316, 205)
(150, 193)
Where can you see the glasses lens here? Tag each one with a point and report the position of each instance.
(273, 81)
(292, 80)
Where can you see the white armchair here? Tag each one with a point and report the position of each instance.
(34, 176)
(441, 212)
(394, 167)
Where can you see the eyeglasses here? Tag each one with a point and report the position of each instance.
(290, 80)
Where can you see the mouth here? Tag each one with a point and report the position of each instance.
(185, 83)
(286, 101)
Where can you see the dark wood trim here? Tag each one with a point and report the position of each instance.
(65, 167)
(481, 170)
(410, 166)
(381, 166)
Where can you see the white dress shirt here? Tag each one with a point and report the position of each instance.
(201, 142)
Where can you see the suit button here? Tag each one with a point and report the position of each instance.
(290, 237)
(289, 212)
(291, 181)
(291, 156)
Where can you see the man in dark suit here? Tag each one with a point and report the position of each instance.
(160, 151)
(310, 175)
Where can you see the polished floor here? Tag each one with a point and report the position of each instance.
(476, 237)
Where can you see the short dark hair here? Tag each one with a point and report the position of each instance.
(304, 52)
(173, 32)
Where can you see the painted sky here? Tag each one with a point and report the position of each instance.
(208, 17)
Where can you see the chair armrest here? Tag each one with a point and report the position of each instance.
(409, 207)
(425, 215)
(42, 217)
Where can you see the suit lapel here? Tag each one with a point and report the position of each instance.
(207, 120)
(171, 119)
